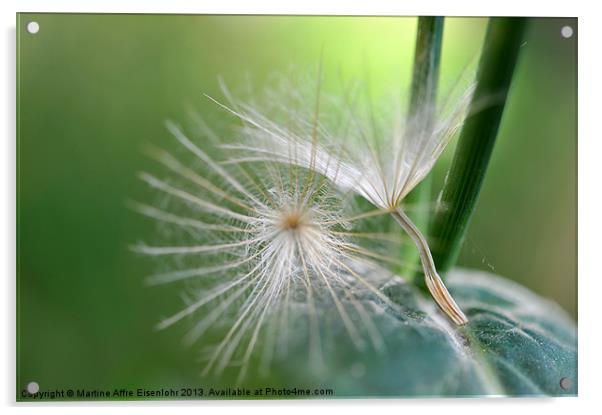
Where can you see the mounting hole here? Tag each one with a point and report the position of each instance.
(33, 387)
(33, 27)
(565, 383)
(566, 32)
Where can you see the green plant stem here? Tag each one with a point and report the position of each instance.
(421, 113)
(497, 63)
(425, 79)
(427, 58)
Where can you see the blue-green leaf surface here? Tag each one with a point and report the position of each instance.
(516, 343)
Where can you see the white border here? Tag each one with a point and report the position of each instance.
(589, 205)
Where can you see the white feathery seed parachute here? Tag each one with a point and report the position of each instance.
(270, 242)
(378, 156)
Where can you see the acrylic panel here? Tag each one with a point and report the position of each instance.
(295, 207)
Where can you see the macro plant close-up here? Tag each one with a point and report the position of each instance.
(316, 207)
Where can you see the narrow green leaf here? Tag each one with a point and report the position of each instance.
(496, 67)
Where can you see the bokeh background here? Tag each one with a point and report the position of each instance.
(94, 89)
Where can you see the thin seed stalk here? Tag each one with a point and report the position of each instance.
(433, 282)
(463, 184)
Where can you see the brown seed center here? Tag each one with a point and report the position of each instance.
(291, 221)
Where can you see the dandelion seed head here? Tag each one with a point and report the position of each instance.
(381, 159)
(271, 245)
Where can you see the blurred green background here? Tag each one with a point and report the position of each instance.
(94, 89)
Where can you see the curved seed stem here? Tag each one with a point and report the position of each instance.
(433, 282)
